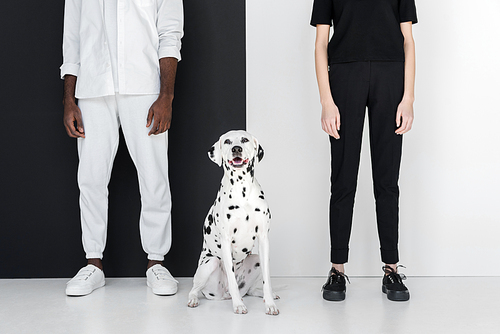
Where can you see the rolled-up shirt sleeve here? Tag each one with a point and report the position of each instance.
(71, 38)
(170, 25)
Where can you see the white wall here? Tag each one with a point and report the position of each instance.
(450, 183)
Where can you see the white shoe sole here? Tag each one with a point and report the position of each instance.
(163, 291)
(75, 291)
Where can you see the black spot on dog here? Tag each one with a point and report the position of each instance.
(218, 199)
(235, 230)
(249, 271)
(218, 246)
(244, 250)
(232, 173)
(233, 241)
(257, 209)
(208, 230)
(242, 285)
(230, 196)
(262, 197)
(253, 238)
(240, 177)
(256, 229)
(257, 265)
(232, 182)
(218, 256)
(228, 216)
(247, 218)
(232, 207)
(210, 219)
(211, 151)
(209, 254)
(211, 294)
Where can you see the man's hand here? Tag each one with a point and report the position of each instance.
(330, 119)
(404, 117)
(160, 115)
(73, 120)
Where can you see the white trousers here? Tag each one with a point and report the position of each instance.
(102, 118)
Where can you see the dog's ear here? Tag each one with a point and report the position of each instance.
(259, 151)
(214, 153)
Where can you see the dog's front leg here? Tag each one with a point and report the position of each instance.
(271, 307)
(227, 260)
(202, 275)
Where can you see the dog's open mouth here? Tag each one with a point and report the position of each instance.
(238, 162)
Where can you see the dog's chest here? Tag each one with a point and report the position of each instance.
(237, 218)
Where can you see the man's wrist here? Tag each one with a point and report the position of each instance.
(69, 101)
(166, 97)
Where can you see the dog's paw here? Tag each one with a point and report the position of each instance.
(271, 309)
(193, 302)
(240, 309)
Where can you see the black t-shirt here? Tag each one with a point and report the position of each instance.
(364, 29)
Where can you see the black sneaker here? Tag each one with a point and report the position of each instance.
(392, 285)
(334, 288)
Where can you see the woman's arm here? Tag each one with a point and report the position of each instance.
(404, 115)
(330, 116)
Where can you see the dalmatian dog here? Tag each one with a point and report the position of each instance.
(239, 216)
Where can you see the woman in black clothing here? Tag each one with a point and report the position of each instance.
(368, 63)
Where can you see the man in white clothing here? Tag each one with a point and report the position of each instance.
(119, 61)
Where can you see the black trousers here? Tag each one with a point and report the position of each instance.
(356, 86)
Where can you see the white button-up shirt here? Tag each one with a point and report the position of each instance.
(147, 30)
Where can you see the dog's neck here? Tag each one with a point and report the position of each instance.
(238, 178)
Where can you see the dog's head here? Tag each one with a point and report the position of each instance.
(236, 150)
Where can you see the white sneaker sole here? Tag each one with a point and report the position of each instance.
(163, 291)
(75, 291)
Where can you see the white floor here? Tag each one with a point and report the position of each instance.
(437, 305)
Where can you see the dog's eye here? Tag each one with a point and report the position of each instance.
(244, 140)
(227, 141)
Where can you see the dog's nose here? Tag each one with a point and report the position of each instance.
(237, 149)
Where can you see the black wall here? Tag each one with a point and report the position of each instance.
(40, 232)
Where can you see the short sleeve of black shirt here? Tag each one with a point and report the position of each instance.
(364, 30)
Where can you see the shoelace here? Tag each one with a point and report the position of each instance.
(335, 277)
(393, 274)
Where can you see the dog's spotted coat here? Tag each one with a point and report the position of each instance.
(238, 218)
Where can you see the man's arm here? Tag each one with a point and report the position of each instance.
(72, 115)
(160, 113)
(72, 118)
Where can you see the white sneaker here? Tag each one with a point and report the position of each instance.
(161, 281)
(85, 281)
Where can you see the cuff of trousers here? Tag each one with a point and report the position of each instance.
(94, 255)
(156, 257)
(339, 256)
(389, 256)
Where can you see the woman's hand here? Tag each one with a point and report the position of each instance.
(330, 118)
(404, 117)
